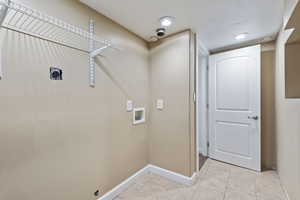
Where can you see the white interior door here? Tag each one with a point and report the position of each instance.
(234, 107)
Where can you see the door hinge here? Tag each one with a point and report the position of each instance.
(207, 106)
(194, 97)
(207, 144)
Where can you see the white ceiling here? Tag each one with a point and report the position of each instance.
(216, 21)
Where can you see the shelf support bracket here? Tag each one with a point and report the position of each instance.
(93, 53)
(3, 13)
(98, 51)
(91, 58)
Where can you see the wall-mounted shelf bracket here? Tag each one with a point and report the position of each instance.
(92, 70)
(99, 51)
(94, 52)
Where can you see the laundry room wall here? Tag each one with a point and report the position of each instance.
(64, 139)
(172, 135)
(287, 112)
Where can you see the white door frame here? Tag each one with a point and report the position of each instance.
(202, 108)
(201, 50)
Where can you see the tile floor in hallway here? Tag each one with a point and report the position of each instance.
(216, 181)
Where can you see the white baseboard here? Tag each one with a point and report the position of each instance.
(124, 185)
(148, 169)
(172, 175)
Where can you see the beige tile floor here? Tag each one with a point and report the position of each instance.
(216, 181)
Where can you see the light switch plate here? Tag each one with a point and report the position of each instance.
(160, 104)
(129, 106)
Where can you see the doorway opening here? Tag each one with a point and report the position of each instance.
(232, 117)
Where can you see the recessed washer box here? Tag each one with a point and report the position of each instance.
(139, 116)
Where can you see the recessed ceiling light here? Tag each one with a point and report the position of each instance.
(241, 36)
(166, 21)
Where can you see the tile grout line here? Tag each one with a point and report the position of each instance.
(204, 172)
(286, 195)
(256, 190)
(227, 185)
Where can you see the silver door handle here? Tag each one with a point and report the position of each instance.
(254, 118)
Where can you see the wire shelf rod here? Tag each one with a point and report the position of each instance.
(41, 19)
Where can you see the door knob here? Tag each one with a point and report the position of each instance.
(254, 117)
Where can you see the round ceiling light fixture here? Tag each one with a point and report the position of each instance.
(166, 21)
(241, 36)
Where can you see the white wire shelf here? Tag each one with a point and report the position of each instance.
(18, 17)
(26, 20)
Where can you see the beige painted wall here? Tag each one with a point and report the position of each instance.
(63, 139)
(268, 109)
(287, 126)
(170, 136)
(192, 104)
(292, 70)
